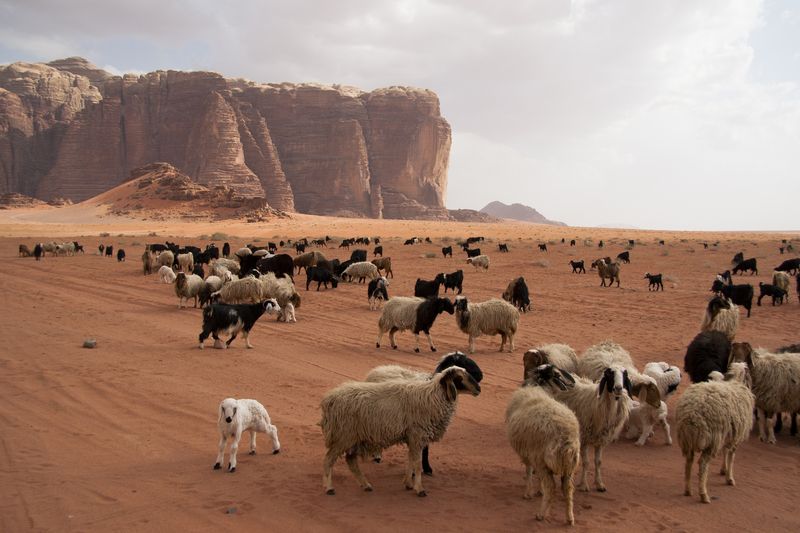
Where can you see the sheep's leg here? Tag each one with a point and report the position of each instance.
(252, 442)
(416, 342)
(352, 462)
(223, 439)
(471, 344)
(272, 431)
(529, 494)
(598, 477)
(415, 460)
(430, 341)
(502, 340)
(762, 430)
(729, 467)
(568, 489)
(426, 466)
(510, 341)
(548, 486)
(647, 429)
(327, 472)
(234, 449)
(667, 436)
(391, 338)
(687, 474)
(770, 429)
(583, 483)
(705, 458)
(380, 336)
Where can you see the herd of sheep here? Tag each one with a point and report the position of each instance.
(566, 403)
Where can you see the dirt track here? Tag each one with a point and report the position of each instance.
(123, 437)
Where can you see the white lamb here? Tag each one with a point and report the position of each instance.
(166, 274)
(236, 417)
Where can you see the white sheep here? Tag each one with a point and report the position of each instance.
(362, 270)
(165, 259)
(247, 290)
(643, 419)
(219, 266)
(479, 261)
(546, 435)
(782, 281)
(712, 416)
(361, 419)
(166, 274)
(667, 377)
(721, 315)
(561, 356)
(243, 252)
(776, 384)
(187, 286)
(283, 290)
(492, 317)
(214, 283)
(186, 262)
(236, 417)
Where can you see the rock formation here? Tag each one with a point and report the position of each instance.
(69, 129)
(517, 212)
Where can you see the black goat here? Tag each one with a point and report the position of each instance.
(625, 257)
(726, 277)
(631, 243)
(120, 254)
(38, 251)
(378, 251)
(747, 264)
(572, 242)
(517, 293)
(358, 256)
(410, 241)
(542, 247)
(426, 289)
(447, 250)
(454, 281)
(299, 248)
(502, 247)
(655, 281)
(577, 267)
(218, 318)
(427, 311)
(226, 249)
(738, 258)
(474, 252)
(198, 270)
(776, 293)
(281, 264)
(738, 294)
(322, 276)
(790, 266)
(600, 244)
(109, 251)
(709, 351)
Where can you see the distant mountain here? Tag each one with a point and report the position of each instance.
(617, 226)
(518, 212)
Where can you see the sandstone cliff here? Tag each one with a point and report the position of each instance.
(69, 129)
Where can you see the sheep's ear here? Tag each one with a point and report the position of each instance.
(653, 395)
(626, 382)
(450, 389)
(636, 390)
(567, 375)
(602, 385)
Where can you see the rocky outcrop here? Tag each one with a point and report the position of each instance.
(517, 212)
(72, 130)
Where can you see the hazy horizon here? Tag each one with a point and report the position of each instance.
(668, 115)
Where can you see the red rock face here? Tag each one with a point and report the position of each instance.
(68, 129)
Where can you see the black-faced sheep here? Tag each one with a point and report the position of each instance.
(776, 293)
(558, 355)
(517, 294)
(187, 286)
(493, 317)
(546, 436)
(231, 319)
(236, 417)
(712, 417)
(362, 419)
(416, 314)
(425, 289)
(577, 267)
(454, 280)
(655, 281)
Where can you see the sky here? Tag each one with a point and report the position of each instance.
(681, 114)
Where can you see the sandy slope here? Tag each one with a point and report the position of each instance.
(123, 437)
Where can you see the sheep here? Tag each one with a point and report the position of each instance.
(236, 417)
(362, 270)
(302, 262)
(708, 352)
(721, 315)
(577, 267)
(558, 355)
(283, 290)
(24, 251)
(281, 264)
(148, 262)
(361, 419)
(247, 290)
(211, 285)
(392, 372)
(377, 293)
(481, 261)
(714, 416)
(186, 262)
(602, 410)
(166, 274)
(385, 264)
(654, 281)
(243, 252)
(666, 376)
(776, 384)
(782, 281)
(545, 434)
(220, 266)
(606, 270)
(517, 294)
(425, 289)
(776, 293)
(187, 286)
(233, 318)
(454, 280)
(491, 317)
(416, 314)
(643, 419)
(165, 258)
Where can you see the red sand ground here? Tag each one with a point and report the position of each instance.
(123, 437)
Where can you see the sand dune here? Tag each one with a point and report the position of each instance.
(123, 437)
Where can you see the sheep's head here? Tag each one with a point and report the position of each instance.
(444, 305)
(227, 410)
(550, 375)
(455, 380)
(439, 278)
(739, 372)
(615, 380)
(459, 359)
(531, 360)
(648, 392)
(461, 304)
(741, 352)
(270, 306)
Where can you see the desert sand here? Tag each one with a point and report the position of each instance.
(123, 437)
